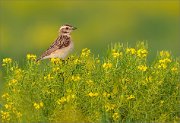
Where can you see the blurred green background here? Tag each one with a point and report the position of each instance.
(31, 26)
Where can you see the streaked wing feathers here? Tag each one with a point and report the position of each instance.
(61, 42)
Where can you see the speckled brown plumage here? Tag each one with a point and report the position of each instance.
(62, 42)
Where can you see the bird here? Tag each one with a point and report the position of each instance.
(62, 46)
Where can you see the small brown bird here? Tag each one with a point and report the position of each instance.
(62, 46)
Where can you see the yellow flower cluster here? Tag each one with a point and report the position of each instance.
(31, 57)
(48, 77)
(116, 54)
(110, 107)
(115, 116)
(166, 60)
(5, 116)
(130, 97)
(65, 99)
(91, 94)
(48, 91)
(105, 94)
(142, 53)
(12, 82)
(77, 61)
(131, 51)
(5, 96)
(85, 52)
(142, 68)
(61, 101)
(18, 114)
(6, 61)
(55, 60)
(107, 66)
(8, 106)
(18, 71)
(37, 106)
(149, 79)
(163, 63)
(175, 69)
(90, 82)
(56, 69)
(164, 54)
(75, 78)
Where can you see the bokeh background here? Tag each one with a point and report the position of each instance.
(31, 26)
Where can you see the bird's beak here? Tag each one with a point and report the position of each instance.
(74, 28)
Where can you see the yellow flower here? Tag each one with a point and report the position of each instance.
(166, 60)
(90, 82)
(62, 100)
(65, 99)
(5, 116)
(93, 94)
(48, 77)
(115, 116)
(107, 65)
(76, 78)
(68, 98)
(77, 61)
(110, 107)
(56, 69)
(164, 66)
(5, 96)
(162, 101)
(18, 114)
(8, 106)
(131, 97)
(85, 52)
(175, 69)
(12, 82)
(105, 94)
(37, 106)
(149, 79)
(31, 57)
(55, 60)
(116, 54)
(142, 53)
(72, 96)
(6, 61)
(41, 104)
(142, 68)
(164, 54)
(131, 51)
(18, 71)
(96, 94)
(163, 63)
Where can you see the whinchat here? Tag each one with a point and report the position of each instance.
(62, 46)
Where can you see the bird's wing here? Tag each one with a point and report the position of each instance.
(59, 43)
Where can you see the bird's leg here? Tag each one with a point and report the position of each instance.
(63, 62)
(67, 60)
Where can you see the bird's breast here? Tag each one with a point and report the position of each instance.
(63, 52)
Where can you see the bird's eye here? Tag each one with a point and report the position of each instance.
(67, 28)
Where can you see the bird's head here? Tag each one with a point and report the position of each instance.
(66, 29)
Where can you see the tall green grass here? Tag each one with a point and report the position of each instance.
(120, 87)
